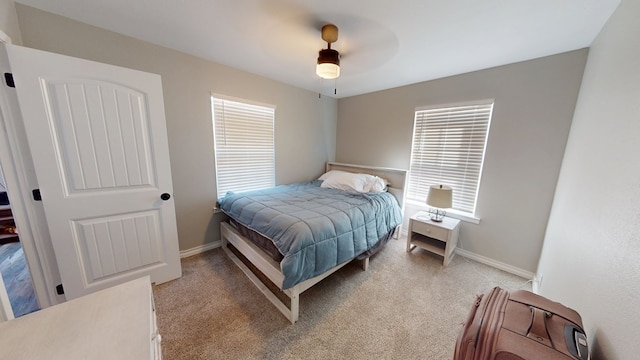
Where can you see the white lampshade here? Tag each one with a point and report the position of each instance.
(440, 196)
(328, 70)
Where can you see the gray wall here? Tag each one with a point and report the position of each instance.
(534, 103)
(9, 21)
(591, 255)
(305, 125)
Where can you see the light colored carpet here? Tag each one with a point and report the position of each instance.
(406, 306)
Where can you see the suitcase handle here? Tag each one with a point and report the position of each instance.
(576, 342)
(538, 328)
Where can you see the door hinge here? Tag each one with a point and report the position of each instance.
(60, 289)
(36, 195)
(8, 77)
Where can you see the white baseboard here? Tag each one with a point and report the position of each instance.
(496, 264)
(536, 283)
(534, 287)
(493, 263)
(200, 249)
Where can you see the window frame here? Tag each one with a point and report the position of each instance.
(412, 194)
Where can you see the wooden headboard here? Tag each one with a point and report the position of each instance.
(397, 178)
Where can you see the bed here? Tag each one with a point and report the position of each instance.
(315, 230)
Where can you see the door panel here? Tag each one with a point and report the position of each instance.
(117, 244)
(98, 139)
(102, 135)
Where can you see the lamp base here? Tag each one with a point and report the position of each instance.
(437, 214)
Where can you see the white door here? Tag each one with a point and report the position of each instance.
(98, 139)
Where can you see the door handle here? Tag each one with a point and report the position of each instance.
(165, 196)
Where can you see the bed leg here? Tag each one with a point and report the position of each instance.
(295, 305)
(365, 264)
(224, 241)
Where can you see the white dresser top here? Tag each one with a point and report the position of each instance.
(114, 323)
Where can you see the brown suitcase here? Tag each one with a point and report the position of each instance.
(520, 325)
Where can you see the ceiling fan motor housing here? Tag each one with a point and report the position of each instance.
(330, 33)
(328, 66)
(329, 56)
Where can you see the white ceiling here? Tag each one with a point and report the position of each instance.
(383, 43)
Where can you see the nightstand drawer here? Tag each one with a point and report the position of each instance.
(429, 230)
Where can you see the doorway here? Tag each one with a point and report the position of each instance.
(19, 176)
(13, 264)
(103, 213)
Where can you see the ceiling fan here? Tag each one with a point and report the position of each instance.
(328, 66)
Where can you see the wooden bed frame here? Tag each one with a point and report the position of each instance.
(266, 265)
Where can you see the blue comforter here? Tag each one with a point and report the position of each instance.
(314, 228)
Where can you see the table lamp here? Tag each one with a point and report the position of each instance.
(439, 198)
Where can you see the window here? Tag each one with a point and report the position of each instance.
(448, 148)
(243, 136)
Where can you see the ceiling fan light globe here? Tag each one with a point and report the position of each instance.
(328, 70)
(328, 64)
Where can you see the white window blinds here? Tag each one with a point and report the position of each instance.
(244, 145)
(448, 148)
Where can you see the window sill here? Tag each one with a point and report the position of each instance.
(450, 212)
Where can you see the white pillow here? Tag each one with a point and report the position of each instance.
(342, 180)
(375, 184)
(326, 175)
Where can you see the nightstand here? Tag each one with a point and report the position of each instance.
(437, 237)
